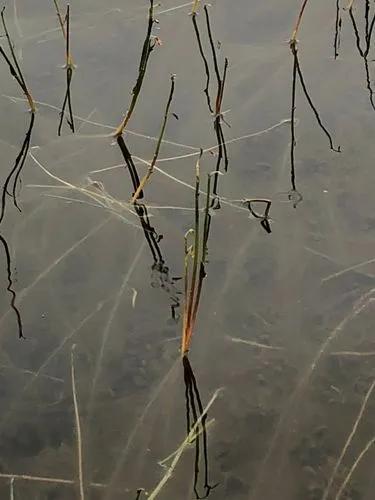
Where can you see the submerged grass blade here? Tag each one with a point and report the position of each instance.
(348, 441)
(78, 426)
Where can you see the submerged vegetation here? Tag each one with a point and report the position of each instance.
(294, 195)
(200, 235)
(14, 175)
(69, 68)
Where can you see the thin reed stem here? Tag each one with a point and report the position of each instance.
(59, 17)
(338, 25)
(218, 116)
(78, 426)
(293, 124)
(195, 7)
(148, 47)
(363, 52)
(176, 456)
(298, 22)
(69, 67)
(205, 62)
(16, 171)
(312, 106)
(150, 171)
(14, 66)
(194, 254)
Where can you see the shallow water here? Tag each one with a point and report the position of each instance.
(280, 314)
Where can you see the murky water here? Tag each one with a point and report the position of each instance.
(284, 326)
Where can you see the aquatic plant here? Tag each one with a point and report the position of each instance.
(69, 68)
(294, 195)
(16, 72)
